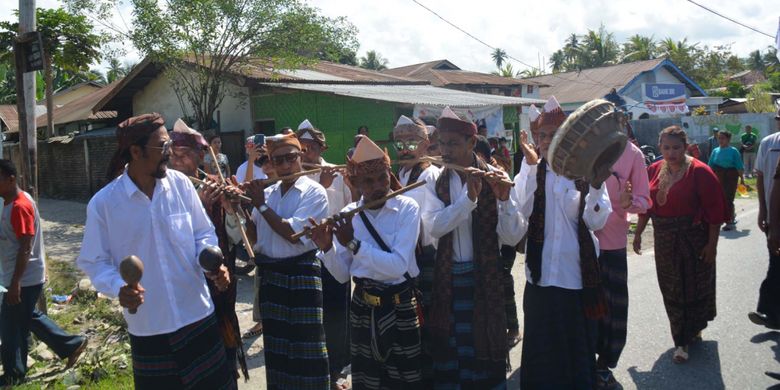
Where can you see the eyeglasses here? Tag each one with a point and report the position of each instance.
(165, 148)
(289, 157)
(408, 145)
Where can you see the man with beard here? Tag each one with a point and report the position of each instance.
(563, 291)
(188, 151)
(335, 294)
(296, 356)
(157, 215)
(376, 248)
(470, 215)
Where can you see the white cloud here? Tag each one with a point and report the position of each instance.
(405, 33)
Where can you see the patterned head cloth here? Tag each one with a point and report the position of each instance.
(367, 159)
(305, 125)
(552, 116)
(312, 134)
(449, 121)
(280, 141)
(407, 126)
(137, 127)
(183, 135)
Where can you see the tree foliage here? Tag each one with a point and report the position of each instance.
(373, 60)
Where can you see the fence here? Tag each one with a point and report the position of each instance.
(699, 128)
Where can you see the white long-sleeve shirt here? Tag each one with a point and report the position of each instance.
(167, 232)
(457, 218)
(398, 223)
(339, 194)
(561, 252)
(422, 194)
(306, 198)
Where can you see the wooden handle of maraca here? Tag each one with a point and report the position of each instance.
(131, 269)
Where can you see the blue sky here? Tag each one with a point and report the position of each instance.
(405, 33)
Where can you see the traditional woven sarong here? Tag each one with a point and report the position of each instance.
(385, 339)
(612, 327)
(296, 356)
(687, 283)
(463, 370)
(729, 180)
(557, 347)
(508, 255)
(192, 357)
(335, 305)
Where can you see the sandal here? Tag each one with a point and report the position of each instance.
(341, 383)
(253, 332)
(680, 355)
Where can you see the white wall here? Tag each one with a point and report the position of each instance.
(158, 96)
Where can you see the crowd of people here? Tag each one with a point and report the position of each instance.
(375, 277)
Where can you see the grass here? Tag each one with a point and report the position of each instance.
(106, 364)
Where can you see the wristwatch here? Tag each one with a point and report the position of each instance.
(263, 208)
(354, 246)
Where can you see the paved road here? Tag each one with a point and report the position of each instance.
(734, 353)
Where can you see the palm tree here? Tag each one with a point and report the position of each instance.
(499, 56)
(558, 61)
(373, 60)
(571, 49)
(639, 48)
(531, 72)
(681, 53)
(771, 59)
(506, 71)
(600, 48)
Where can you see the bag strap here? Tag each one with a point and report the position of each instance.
(375, 235)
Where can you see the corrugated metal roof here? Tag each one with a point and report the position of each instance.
(589, 84)
(81, 108)
(443, 72)
(10, 117)
(411, 94)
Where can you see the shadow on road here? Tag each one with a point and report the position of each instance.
(735, 234)
(769, 336)
(702, 371)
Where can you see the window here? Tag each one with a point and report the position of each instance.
(529, 89)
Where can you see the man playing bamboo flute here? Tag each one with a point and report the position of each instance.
(157, 215)
(335, 295)
(563, 290)
(296, 356)
(376, 247)
(187, 153)
(471, 213)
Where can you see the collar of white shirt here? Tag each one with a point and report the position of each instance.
(131, 188)
(392, 204)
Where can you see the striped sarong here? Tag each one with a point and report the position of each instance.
(296, 356)
(612, 328)
(385, 344)
(508, 255)
(192, 357)
(425, 259)
(464, 371)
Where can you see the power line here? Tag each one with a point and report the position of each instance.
(730, 19)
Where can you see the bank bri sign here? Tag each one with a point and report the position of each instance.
(666, 98)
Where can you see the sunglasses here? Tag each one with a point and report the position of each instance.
(289, 157)
(406, 145)
(165, 148)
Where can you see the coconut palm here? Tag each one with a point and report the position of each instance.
(506, 71)
(639, 48)
(373, 60)
(531, 72)
(558, 61)
(571, 48)
(499, 56)
(599, 49)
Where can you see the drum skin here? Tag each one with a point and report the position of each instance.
(590, 140)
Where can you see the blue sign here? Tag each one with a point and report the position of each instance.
(664, 92)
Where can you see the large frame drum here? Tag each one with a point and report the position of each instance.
(590, 139)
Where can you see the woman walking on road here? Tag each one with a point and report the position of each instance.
(687, 211)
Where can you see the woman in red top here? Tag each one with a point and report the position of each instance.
(687, 211)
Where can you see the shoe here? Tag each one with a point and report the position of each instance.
(74, 357)
(606, 381)
(727, 227)
(774, 375)
(763, 320)
(680, 355)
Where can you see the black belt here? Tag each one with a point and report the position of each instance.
(261, 259)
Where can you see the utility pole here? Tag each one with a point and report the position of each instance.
(25, 102)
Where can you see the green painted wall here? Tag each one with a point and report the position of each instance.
(338, 117)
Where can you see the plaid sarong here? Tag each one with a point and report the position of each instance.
(612, 328)
(463, 370)
(385, 343)
(192, 357)
(296, 356)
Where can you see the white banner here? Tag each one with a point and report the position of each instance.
(490, 116)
